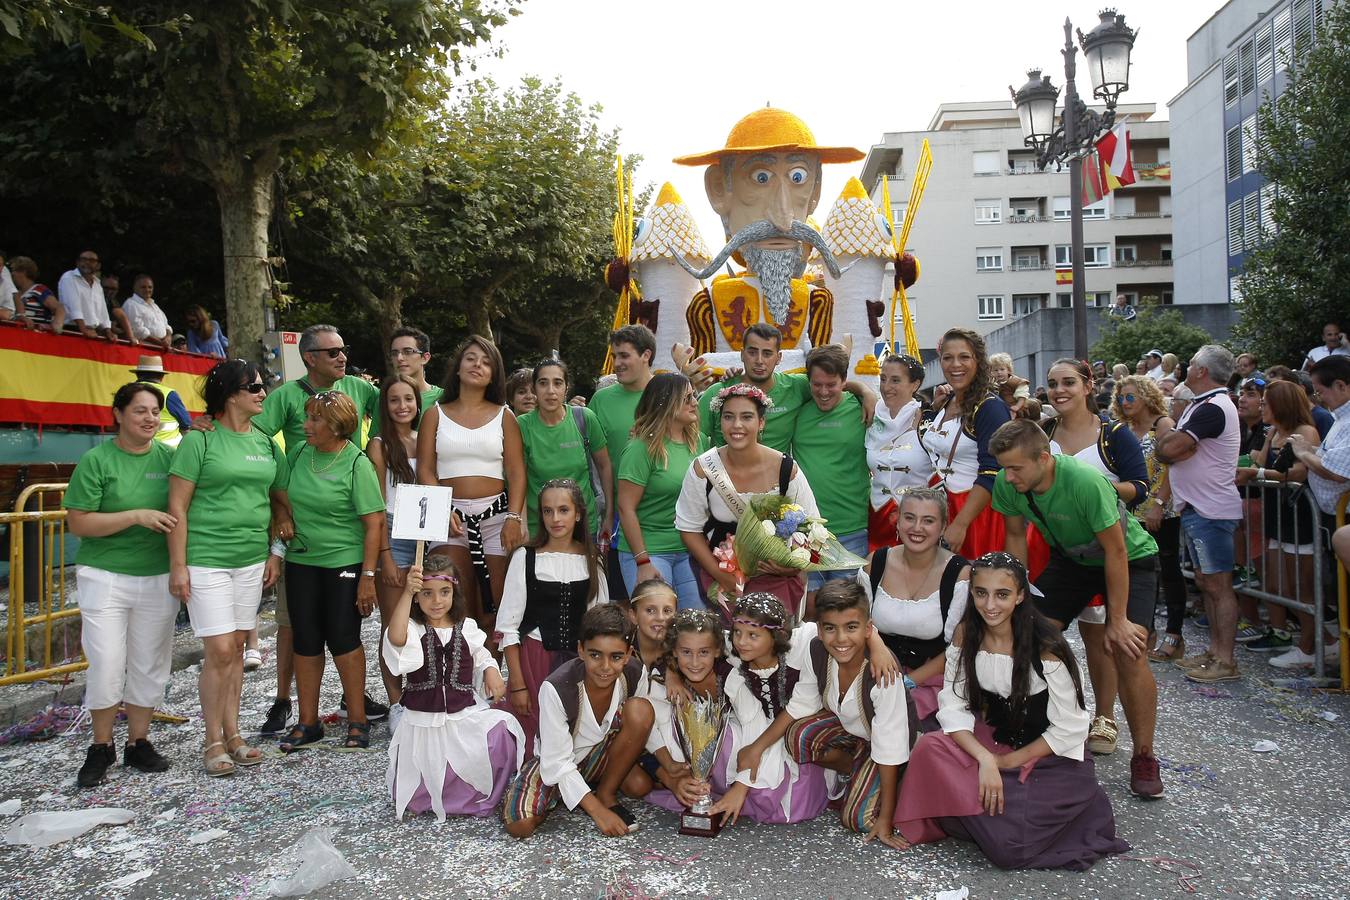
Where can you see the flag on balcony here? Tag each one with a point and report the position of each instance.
(1094, 187)
(1063, 277)
(1114, 150)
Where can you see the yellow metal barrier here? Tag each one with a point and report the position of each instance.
(51, 609)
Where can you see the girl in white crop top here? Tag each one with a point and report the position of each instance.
(471, 443)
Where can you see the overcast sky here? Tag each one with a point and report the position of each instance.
(675, 76)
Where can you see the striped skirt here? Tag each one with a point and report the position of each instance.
(528, 797)
(809, 739)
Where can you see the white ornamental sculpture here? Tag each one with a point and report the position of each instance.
(665, 287)
(860, 239)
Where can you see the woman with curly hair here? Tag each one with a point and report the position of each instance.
(651, 472)
(966, 413)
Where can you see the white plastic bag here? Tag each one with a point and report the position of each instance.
(320, 864)
(43, 829)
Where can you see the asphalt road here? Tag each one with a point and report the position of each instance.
(1234, 822)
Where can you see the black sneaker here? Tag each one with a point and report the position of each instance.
(96, 762)
(143, 756)
(278, 714)
(375, 710)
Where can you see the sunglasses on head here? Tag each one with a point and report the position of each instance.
(326, 397)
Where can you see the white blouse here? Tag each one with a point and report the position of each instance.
(750, 715)
(409, 658)
(1069, 721)
(695, 502)
(547, 567)
(918, 618)
(561, 747)
(965, 464)
(889, 734)
(895, 455)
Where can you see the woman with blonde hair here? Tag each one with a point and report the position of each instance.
(665, 441)
(1169, 365)
(1139, 403)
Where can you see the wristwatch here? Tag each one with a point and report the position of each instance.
(368, 573)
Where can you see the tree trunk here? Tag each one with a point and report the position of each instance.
(480, 315)
(244, 191)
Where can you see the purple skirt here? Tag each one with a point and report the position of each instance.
(925, 696)
(459, 798)
(537, 664)
(807, 795)
(1055, 816)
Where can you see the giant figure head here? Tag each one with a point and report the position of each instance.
(764, 183)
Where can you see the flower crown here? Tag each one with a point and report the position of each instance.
(739, 390)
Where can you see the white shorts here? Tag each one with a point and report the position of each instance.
(126, 626)
(490, 527)
(1093, 615)
(224, 600)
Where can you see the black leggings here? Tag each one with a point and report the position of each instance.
(1173, 584)
(322, 604)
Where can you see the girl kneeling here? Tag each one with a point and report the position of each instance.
(1008, 770)
(452, 753)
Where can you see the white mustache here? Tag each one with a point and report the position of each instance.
(764, 230)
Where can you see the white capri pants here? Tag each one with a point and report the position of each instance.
(127, 633)
(224, 600)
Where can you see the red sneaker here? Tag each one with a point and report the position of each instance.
(1145, 780)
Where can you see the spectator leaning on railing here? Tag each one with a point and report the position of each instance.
(148, 322)
(82, 296)
(34, 303)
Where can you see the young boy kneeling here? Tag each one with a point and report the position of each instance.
(865, 736)
(591, 732)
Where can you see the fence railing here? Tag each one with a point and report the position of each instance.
(41, 630)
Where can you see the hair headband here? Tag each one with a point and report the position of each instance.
(742, 621)
(450, 578)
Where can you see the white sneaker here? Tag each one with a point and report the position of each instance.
(252, 660)
(1332, 653)
(395, 716)
(1293, 658)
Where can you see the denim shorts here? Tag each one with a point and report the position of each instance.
(404, 552)
(855, 543)
(1209, 542)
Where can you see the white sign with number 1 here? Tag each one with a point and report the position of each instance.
(422, 513)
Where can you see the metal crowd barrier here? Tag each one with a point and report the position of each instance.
(37, 579)
(1293, 573)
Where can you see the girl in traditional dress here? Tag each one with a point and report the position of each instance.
(551, 582)
(452, 753)
(966, 415)
(895, 454)
(1008, 770)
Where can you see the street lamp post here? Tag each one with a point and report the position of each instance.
(1107, 49)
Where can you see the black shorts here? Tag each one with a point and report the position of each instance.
(322, 606)
(1069, 587)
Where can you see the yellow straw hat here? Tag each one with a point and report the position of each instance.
(771, 130)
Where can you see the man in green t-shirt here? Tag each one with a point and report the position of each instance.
(409, 353)
(633, 348)
(827, 443)
(1095, 548)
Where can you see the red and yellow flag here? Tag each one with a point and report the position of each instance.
(1114, 150)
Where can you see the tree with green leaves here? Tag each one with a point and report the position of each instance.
(1299, 277)
(1122, 341)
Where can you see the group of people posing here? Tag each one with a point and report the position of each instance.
(529, 660)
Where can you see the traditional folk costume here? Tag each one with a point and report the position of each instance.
(898, 461)
(959, 449)
(573, 744)
(917, 630)
(452, 753)
(873, 722)
(542, 604)
(1056, 815)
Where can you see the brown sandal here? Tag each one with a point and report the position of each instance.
(1171, 648)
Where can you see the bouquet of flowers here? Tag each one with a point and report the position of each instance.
(781, 532)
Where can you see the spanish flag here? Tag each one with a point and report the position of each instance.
(1114, 150)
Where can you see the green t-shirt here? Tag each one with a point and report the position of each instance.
(284, 409)
(661, 488)
(234, 473)
(109, 479)
(615, 406)
(1080, 503)
(829, 449)
(557, 451)
(329, 493)
(790, 393)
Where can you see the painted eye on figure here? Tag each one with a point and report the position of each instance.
(643, 228)
(883, 226)
(761, 176)
(798, 175)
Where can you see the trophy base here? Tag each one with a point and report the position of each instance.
(700, 824)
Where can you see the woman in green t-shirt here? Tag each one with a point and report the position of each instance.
(116, 504)
(563, 441)
(330, 564)
(665, 441)
(222, 486)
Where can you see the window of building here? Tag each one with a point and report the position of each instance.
(1122, 206)
(1096, 210)
(1230, 79)
(1249, 144)
(988, 212)
(1268, 209)
(1165, 252)
(1065, 301)
(1247, 68)
(1233, 152)
(1167, 298)
(1265, 62)
(1284, 40)
(1095, 256)
(1126, 253)
(1026, 260)
(1235, 228)
(898, 216)
(1100, 299)
(1025, 304)
(1251, 220)
(987, 162)
(1061, 209)
(1303, 26)
(991, 306)
(989, 259)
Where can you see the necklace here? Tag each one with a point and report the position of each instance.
(910, 590)
(332, 462)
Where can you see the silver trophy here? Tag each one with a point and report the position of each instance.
(699, 728)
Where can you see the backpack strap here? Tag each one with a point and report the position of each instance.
(1106, 445)
(878, 569)
(579, 418)
(307, 387)
(784, 475)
